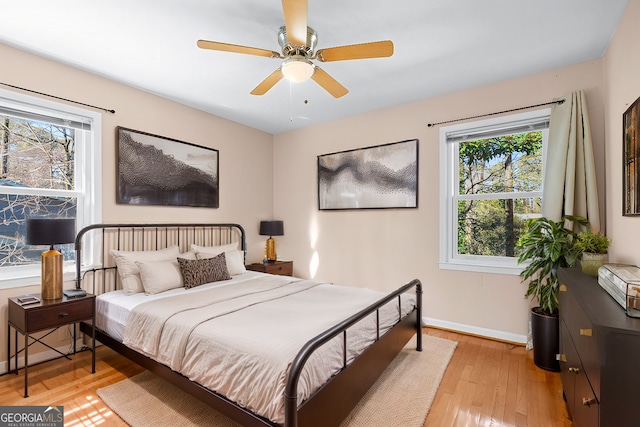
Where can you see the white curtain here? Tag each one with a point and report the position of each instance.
(569, 186)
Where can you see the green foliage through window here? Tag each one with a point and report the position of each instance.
(494, 175)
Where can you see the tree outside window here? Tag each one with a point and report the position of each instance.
(497, 169)
(37, 175)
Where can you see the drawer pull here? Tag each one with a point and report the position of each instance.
(586, 332)
(574, 370)
(563, 287)
(561, 357)
(63, 314)
(588, 402)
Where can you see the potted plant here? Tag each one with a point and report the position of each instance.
(546, 246)
(592, 246)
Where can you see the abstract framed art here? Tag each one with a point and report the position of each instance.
(377, 177)
(155, 170)
(630, 160)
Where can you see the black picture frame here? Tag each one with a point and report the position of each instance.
(376, 177)
(161, 171)
(631, 160)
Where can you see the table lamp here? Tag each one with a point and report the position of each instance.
(271, 228)
(51, 231)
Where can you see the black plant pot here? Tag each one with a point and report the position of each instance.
(545, 332)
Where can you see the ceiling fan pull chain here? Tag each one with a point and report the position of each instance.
(291, 102)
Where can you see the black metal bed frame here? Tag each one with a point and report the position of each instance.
(328, 405)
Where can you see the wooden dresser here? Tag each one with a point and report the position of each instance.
(599, 354)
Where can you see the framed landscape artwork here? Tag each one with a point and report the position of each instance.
(378, 177)
(630, 160)
(155, 170)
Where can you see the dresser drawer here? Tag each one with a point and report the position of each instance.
(569, 360)
(584, 337)
(52, 316)
(586, 407)
(562, 301)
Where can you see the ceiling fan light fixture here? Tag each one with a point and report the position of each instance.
(297, 69)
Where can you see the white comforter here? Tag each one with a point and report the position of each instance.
(240, 340)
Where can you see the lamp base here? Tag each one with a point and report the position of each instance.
(51, 275)
(270, 249)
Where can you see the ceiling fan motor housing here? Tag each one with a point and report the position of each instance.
(289, 49)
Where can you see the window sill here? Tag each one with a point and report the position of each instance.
(481, 268)
(30, 280)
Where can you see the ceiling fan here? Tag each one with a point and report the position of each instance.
(298, 43)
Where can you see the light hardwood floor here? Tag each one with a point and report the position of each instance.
(487, 383)
(490, 384)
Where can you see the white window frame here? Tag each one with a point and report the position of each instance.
(449, 258)
(88, 177)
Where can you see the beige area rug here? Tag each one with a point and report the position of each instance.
(402, 396)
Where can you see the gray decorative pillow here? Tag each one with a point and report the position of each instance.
(196, 272)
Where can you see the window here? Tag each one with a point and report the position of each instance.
(491, 184)
(49, 166)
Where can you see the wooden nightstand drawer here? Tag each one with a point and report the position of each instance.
(50, 317)
(283, 268)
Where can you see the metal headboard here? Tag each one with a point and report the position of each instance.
(96, 263)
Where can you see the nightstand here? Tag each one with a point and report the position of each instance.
(283, 268)
(47, 314)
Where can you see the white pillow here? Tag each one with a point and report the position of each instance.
(160, 276)
(188, 255)
(130, 273)
(214, 250)
(234, 258)
(235, 262)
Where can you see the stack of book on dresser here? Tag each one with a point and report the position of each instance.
(622, 282)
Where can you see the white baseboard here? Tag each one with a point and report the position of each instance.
(474, 330)
(39, 357)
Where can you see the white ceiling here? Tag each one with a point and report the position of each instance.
(441, 46)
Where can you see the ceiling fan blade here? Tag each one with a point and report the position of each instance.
(295, 19)
(225, 47)
(268, 83)
(380, 49)
(328, 83)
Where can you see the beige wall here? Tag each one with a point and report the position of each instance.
(621, 68)
(244, 153)
(382, 249)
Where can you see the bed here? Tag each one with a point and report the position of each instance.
(265, 350)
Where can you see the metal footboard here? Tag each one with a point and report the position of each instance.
(291, 389)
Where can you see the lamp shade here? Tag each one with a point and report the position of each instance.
(50, 231)
(297, 69)
(271, 228)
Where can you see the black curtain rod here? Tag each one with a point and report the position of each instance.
(57, 97)
(560, 101)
